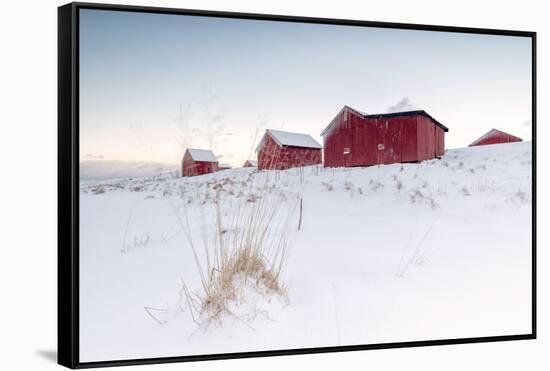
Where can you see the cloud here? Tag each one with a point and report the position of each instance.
(94, 157)
(403, 105)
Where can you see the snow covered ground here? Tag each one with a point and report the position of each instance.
(436, 250)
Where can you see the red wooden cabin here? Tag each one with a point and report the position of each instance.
(495, 136)
(250, 163)
(282, 150)
(354, 138)
(198, 162)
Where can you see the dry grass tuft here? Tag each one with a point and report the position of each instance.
(244, 247)
(399, 184)
(328, 186)
(98, 190)
(376, 185)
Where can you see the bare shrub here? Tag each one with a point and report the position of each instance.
(399, 185)
(465, 191)
(118, 185)
(377, 185)
(484, 185)
(415, 195)
(418, 256)
(141, 241)
(98, 190)
(328, 186)
(520, 198)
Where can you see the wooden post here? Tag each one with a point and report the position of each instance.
(300, 220)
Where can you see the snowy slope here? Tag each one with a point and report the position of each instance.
(440, 249)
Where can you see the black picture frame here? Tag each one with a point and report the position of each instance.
(68, 179)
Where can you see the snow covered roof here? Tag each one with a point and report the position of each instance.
(383, 115)
(285, 138)
(494, 132)
(252, 162)
(204, 155)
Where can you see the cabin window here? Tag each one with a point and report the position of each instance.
(346, 151)
(381, 146)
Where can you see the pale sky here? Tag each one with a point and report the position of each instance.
(153, 84)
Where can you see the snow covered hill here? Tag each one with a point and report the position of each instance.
(436, 250)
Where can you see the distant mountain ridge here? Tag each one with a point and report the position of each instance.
(99, 170)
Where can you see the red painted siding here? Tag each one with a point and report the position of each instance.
(495, 137)
(190, 167)
(273, 156)
(425, 139)
(439, 142)
(354, 140)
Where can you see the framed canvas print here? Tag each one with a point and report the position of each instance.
(238, 185)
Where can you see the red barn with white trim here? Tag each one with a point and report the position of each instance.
(495, 136)
(282, 150)
(198, 162)
(354, 138)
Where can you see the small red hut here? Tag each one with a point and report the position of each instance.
(354, 138)
(250, 163)
(282, 150)
(198, 162)
(495, 136)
